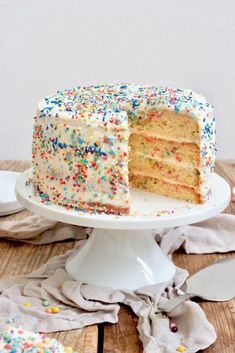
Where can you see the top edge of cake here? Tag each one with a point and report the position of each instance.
(109, 103)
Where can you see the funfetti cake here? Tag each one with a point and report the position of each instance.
(91, 144)
(17, 340)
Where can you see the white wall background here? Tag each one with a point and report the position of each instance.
(54, 44)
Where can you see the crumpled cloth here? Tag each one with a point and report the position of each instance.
(81, 304)
(35, 229)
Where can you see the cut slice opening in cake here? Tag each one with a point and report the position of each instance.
(164, 155)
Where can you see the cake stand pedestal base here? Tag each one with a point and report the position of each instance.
(120, 259)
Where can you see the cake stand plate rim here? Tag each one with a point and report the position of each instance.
(185, 214)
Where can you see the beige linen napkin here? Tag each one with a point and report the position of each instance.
(81, 304)
(39, 230)
(216, 234)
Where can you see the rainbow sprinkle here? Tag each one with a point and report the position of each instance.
(80, 141)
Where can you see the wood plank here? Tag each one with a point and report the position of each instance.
(123, 336)
(83, 340)
(227, 170)
(20, 258)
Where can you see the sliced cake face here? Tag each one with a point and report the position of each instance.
(175, 152)
(88, 139)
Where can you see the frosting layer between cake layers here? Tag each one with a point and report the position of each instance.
(87, 139)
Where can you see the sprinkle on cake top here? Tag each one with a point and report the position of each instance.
(98, 103)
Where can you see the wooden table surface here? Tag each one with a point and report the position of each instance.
(19, 258)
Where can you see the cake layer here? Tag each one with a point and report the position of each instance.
(164, 188)
(174, 173)
(152, 147)
(165, 124)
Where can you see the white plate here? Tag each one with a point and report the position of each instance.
(148, 211)
(8, 202)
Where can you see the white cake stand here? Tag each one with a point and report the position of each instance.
(121, 251)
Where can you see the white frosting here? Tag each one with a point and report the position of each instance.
(96, 153)
(55, 163)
